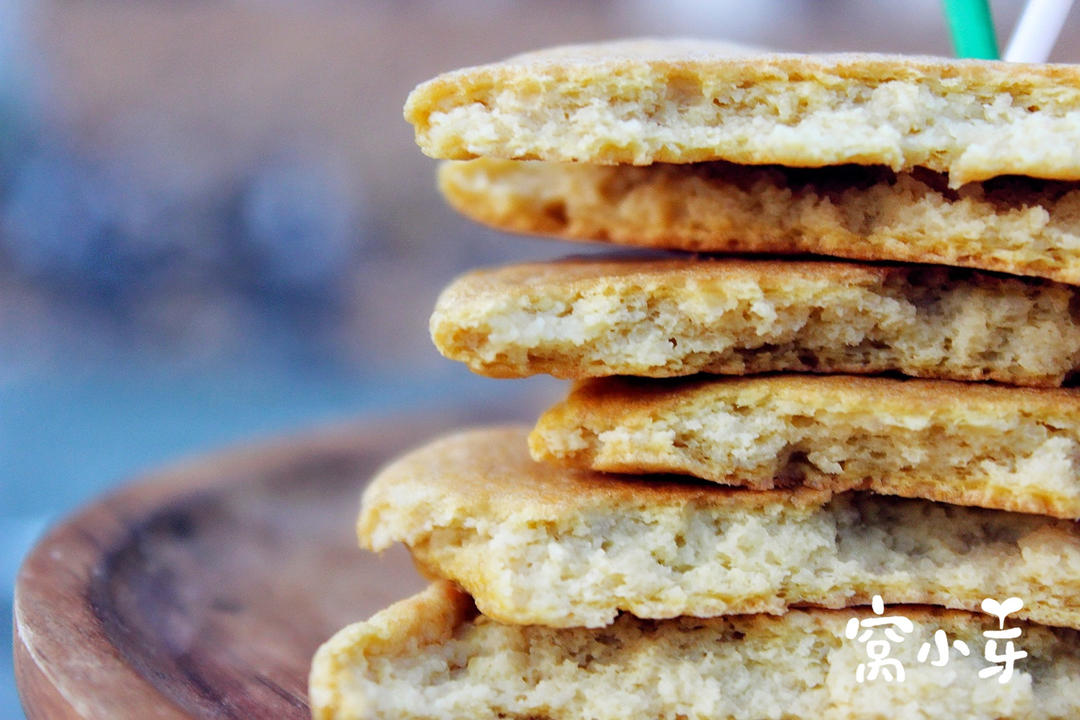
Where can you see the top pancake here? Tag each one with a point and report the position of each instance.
(678, 101)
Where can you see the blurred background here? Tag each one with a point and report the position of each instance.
(215, 226)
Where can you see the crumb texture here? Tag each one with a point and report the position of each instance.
(1015, 225)
(681, 102)
(986, 445)
(740, 668)
(592, 317)
(540, 544)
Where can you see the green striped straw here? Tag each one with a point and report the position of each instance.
(972, 29)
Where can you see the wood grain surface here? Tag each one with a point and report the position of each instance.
(203, 591)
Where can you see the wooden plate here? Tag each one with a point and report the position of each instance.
(204, 591)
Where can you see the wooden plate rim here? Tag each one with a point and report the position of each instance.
(65, 665)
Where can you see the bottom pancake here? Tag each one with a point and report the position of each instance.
(433, 657)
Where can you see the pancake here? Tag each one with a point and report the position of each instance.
(645, 101)
(537, 544)
(595, 317)
(431, 656)
(1015, 225)
(1007, 448)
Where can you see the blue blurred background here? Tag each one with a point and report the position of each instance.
(214, 224)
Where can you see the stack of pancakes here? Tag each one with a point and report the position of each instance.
(755, 448)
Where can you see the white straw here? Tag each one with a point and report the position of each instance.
(1037, 30)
